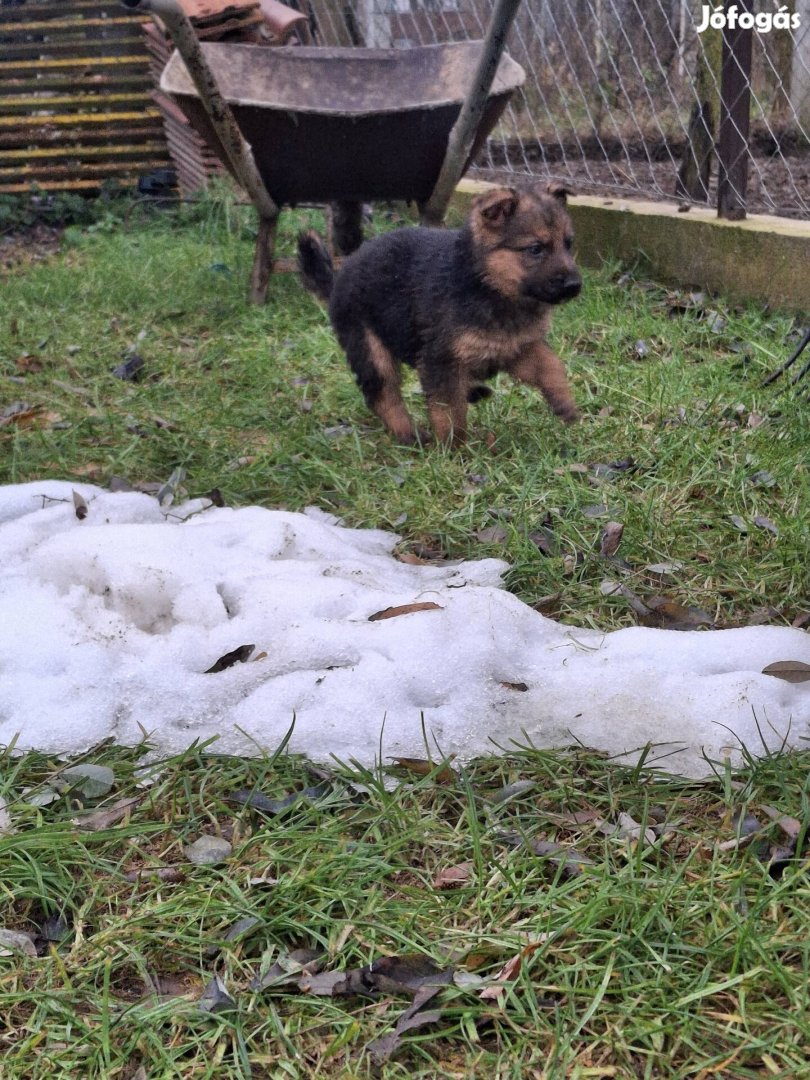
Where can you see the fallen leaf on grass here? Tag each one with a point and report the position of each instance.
(762, 478)
(16, 941)
(321, 984)
(257, 800)
(406, 974)
(106, 818)
(548, 605)
(763, 522)
(295, 968)
(172, 875)
(792, 671)
(610, 539)
(382, 1049)
(421, 767)
(511, 791)
(453, 876)
(660, 612)
(19, 412)
(576, 819)
(88, 780)
(602, 471)
(130, 369)
(626, 828)
(208, 851)
(509, 971)
(545, 541)
(395, 975)
(404, 609)
(236, 656)
(570, 861)
(55, 928)
(667, 614)
(663, 569)
(215, 998)
(790, 826)
(492, 534)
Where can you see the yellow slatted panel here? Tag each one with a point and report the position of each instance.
(75, 107)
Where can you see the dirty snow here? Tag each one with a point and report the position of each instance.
(108, 624)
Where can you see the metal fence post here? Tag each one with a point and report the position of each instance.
(735, 115)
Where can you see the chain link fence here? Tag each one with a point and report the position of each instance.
(632, 98)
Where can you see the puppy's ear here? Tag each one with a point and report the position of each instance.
(497, 206)
(559, 191)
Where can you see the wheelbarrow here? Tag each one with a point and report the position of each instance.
(339, 125)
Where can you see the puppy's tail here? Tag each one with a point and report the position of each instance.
(315, 265)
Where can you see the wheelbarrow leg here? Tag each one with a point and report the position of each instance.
(263, 259)
(237, 150)
(462, 135)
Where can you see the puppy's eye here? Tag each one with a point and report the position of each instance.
(568, 243)
(536, 249)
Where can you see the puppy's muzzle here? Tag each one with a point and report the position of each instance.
(565, 287)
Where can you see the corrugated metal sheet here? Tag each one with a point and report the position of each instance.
(75, 104)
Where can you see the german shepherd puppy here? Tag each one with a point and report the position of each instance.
(459, 305)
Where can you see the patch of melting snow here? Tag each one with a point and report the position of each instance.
(108, 626)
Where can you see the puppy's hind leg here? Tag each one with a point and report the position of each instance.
(378, 376)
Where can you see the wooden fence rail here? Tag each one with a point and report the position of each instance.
(75, 106)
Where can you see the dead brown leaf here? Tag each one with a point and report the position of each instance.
(548, 605)
(170, 874)
(611, 538)
(411, 559)
(422, 767)
(236, 656)
(569, 860)
(20, 414)
(106, 818)
(665, 614)
(509, 971)
(792, 671)
(453, 876)
(790, 826)
(80, 506)
(492, 534)
(404, 609)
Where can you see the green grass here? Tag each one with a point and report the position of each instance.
(675, 958)
(679, 957)
(259, 403)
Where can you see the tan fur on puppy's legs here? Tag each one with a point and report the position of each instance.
(540, 366)
(388, 404)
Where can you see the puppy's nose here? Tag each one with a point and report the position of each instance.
(570, 286)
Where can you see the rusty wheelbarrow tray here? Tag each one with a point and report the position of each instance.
(335, 135)
(353, 124)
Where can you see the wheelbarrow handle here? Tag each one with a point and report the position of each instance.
(238, 152)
